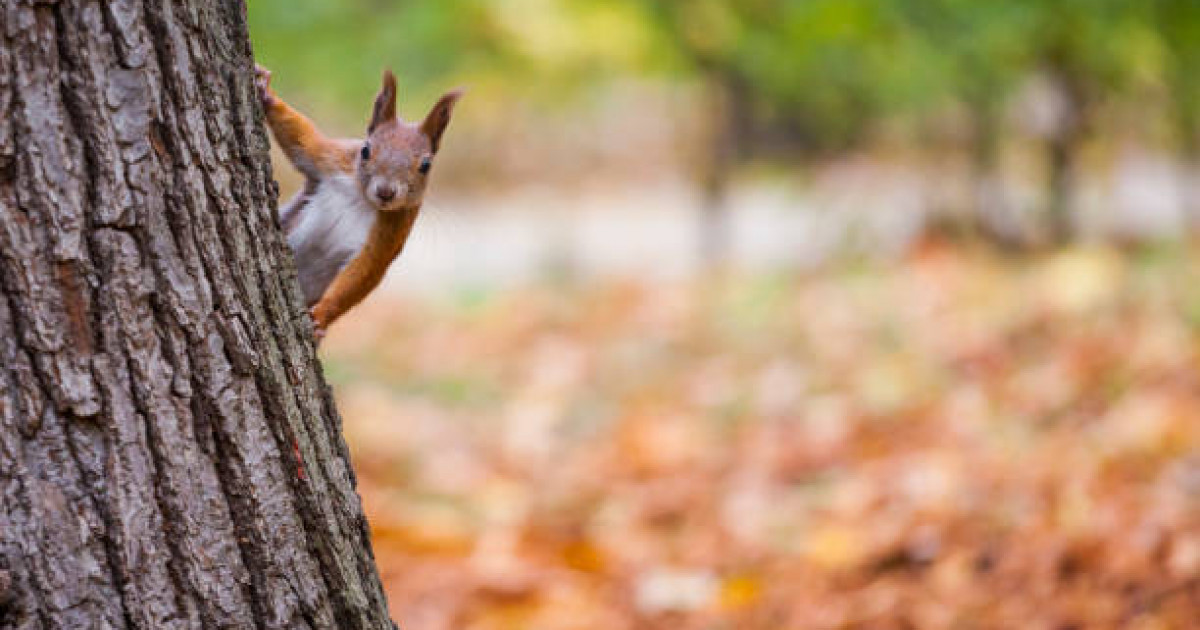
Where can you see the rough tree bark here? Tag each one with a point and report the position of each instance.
(170, 456)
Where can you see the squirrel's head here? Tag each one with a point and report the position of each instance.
(394, 162)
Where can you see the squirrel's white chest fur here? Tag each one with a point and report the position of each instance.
(329, 228)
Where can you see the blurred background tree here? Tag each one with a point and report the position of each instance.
(1089, 52)
(979, 50)
(778, 79)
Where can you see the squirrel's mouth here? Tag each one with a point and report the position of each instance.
(391, 198)
(395, 207)
(389, 205)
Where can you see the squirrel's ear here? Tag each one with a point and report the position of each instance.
(435, 123)
(385, 102)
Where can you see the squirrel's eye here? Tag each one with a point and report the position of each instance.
(366, 152)
(426, 164)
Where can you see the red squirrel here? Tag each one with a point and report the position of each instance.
(360, 197)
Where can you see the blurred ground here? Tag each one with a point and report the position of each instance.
(945, 440)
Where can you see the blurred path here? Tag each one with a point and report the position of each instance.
(857, 207)
(532, 234)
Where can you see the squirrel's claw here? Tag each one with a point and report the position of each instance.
(318, 326)
(262, 81)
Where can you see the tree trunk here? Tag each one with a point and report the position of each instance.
(716, 169)
(170, 455)
(1061, 152)
(1062, 148)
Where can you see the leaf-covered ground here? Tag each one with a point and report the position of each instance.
(953, 441)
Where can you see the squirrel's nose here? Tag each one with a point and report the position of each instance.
(385, 192)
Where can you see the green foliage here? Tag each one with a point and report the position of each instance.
(334, 52)
(978, 48)
(1178, 22)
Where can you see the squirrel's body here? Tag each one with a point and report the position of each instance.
(325, 229)
(360, 197)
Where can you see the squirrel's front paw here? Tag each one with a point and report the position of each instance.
(262, 81)
(319, 323)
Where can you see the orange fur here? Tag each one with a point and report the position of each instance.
(313, 154)
(365, 271)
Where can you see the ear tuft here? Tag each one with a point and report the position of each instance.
(435, 123)
(385, 102)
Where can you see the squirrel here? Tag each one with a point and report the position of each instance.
(360, 197)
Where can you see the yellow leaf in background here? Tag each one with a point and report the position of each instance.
(834, 547)
(583, 556)
(740, 591)
(1078, 280)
